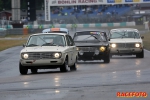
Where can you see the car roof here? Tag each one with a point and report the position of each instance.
(125, 29)
(48, 34)
(91, 31)
(51, 30)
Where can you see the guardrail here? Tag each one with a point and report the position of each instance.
(78, 25)
(81, 25)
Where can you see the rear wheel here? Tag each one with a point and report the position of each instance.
(22, 69)
(34, 70)
(140, 55)
(74, 67)
(65, 67)
(107, 58)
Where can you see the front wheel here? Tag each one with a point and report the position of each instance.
(34, 70)
(22, 69)
(65, 66)
(140, 55)
(107, 58)
(110, 55)
(74, 67)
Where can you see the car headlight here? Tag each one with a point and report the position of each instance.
(102, 49)
(113, 45)
(25, 56)
(77, 48)
(137, 45)
(81, 52)
(57, 55)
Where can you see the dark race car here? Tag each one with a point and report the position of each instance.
(92, 45)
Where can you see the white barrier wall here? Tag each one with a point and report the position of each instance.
(123, 24)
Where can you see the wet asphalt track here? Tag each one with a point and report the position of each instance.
(92, 81)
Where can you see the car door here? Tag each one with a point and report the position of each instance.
(70, 50)
(74, 50)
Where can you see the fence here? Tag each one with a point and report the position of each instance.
(80, 25)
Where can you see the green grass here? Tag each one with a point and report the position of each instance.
(5, 43)
(146, 40)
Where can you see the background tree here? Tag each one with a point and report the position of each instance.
(1, 5)
(6, 4)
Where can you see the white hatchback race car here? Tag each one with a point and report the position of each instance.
(48, 51)
(126, 41)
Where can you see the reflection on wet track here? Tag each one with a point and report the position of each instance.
(123, 73)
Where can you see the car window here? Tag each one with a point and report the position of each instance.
(118, 34)
(46, 40)
(71, 40)
(124, 34)
(68, 41)
(90, 36)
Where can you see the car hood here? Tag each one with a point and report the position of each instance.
(91, 44)
(125, 40)
(44, 49)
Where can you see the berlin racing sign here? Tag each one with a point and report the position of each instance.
(75, 2)
(49, 3)
(92, 2)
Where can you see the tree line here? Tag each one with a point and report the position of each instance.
(6, 4)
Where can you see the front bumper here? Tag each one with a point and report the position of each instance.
(42, 62)
(91, 56)
(125, 51)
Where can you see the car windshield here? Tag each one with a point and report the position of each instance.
(124, 34)
(46, 40)
(89, 36)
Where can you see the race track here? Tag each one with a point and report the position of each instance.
(93, 80)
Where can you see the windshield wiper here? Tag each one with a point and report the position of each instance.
(115, 37)
(93, 36)
(32, 45)
(42, 39)
(122, 35)
(96, 38)
(49, 44)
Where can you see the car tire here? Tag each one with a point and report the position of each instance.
(22, 69)
(140, 55)
(65, 66)
(74, 67)
(107, 58)
(34, 70)
(110, 55)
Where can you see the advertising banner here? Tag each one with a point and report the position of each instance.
(92, 2)
(146, 0)
(137, 1)
(114, 1)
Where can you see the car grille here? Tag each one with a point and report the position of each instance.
(40, 55)
(130, 45)
(126, 45)
(124, 51)
(88, 49)
(120, 45)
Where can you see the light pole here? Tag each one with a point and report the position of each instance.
(15, 10)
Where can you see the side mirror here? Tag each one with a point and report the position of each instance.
(23, 45)
(142, 37)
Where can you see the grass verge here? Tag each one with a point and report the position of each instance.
(146, 40)
(5, 44)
